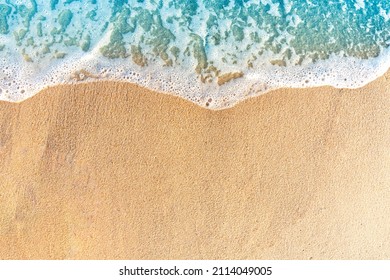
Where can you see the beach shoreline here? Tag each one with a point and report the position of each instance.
(114, 171)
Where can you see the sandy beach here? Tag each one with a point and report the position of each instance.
(113, 171)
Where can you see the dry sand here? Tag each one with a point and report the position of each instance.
(112, 171)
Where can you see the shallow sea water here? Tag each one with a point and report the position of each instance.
(214, 53)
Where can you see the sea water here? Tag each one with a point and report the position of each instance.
(211, 52)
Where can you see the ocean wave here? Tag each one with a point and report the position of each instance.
(213, 53)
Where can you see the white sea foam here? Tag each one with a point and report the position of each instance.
(335, 71)
(215, 60)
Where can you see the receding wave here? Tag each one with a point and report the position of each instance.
(214, 53)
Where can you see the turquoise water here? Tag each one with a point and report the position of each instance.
(214, 53)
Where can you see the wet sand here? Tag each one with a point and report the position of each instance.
(113, 171)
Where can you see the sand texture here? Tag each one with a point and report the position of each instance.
(113, 171)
